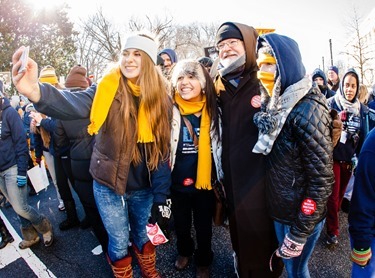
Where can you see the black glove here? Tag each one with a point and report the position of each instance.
(161, 213)
(38, 160)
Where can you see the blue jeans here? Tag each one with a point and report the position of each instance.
(298, 266)
(124, 217)
(17, 197)
(369, 270)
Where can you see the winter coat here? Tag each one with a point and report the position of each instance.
(345, 151)
(74, 134)
(252, 231)
(110, 161)
(300, 166)
(362, 205)
(13, 144)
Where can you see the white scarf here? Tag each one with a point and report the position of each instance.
(278, 110)
(344, 104)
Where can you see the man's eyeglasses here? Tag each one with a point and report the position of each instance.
(230, 44)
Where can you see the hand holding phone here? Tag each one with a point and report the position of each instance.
(24, 58)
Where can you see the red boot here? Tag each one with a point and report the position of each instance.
(147, 260)
(122, 268)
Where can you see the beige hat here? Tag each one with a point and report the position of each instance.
(48, 75)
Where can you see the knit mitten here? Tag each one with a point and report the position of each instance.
(290, 248)
(21, 181)
(361, 257)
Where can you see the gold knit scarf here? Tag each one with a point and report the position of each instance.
(105, 93)
(266, 78)
(268, 81)
(204, 152)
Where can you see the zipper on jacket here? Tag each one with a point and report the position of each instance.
(148, 169)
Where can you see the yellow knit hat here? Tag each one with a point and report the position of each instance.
(48, 75)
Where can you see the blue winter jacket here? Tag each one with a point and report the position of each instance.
(13, 143)
(362, 205)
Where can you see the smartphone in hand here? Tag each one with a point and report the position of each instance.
(24, 58)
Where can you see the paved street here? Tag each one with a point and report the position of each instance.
(72, 255)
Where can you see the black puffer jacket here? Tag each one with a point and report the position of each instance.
(300, 166)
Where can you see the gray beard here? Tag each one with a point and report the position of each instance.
(239, 62)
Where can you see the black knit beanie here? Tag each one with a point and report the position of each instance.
(228, 31)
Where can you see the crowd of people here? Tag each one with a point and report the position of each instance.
(148, 144)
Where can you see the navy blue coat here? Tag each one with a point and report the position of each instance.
(13, 144)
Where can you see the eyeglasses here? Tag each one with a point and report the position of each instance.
(230, 44)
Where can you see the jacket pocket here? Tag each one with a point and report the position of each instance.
(103, 169)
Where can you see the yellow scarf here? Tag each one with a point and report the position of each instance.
(204, 152)
(105, 93)
(268, 81)
(266, 78)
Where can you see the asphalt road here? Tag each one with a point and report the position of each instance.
(72, 255)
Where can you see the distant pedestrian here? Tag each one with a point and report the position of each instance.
(13, 166)
(206, 62)
(170, 59)
(355, 118)
(333, 78)
(320, 79)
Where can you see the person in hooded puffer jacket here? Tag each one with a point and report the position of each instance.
(295, 137)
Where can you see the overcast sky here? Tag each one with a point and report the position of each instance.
(310, 23)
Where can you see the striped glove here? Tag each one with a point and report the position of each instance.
(361, 257)
(21, 181)
(290, 248)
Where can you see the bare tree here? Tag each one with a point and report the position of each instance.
(99, 44)
(161, 27)
(358, 50)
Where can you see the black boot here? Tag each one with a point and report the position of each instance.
(5, 237)
(72, 218)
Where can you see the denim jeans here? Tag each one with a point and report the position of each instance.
(124, 217)
(369, 270)
(298, 266)
(51, 169)
(17, 197)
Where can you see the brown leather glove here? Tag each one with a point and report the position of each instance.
(336, 127)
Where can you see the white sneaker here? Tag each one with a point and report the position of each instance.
(61, 206)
